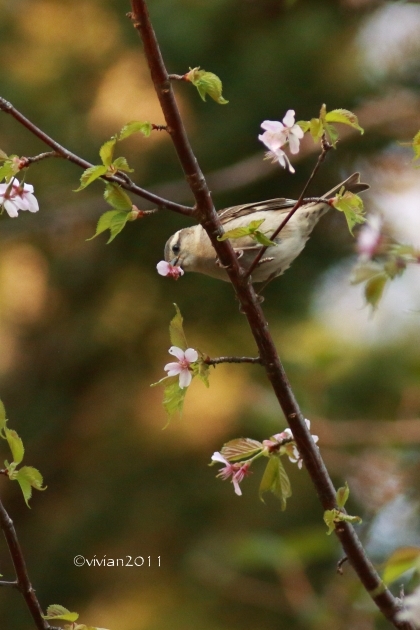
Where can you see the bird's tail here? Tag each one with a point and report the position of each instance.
(352, 184)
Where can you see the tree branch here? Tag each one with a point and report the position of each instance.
(23, 583)
(121, 179)
(210, 361)
(249, 304)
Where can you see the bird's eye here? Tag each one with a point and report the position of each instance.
(176, 249)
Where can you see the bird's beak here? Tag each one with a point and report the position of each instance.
(174, 261)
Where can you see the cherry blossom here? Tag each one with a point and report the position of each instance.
(166, 269)
(182, 367)
(15, 196)
(277, 134)
(285, 441)
(369, 237)
(236, 470)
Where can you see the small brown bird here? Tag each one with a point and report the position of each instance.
(192, 250)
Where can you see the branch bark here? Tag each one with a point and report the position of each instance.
(22, 583)
(122, 180)
(208, 218)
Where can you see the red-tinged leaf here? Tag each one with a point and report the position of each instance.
(241, 448)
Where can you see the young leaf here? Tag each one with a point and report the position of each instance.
(201, 370)
(106, 151)
(241, 448)
(316, 129)
(176, 331)
(206, 83)
(112, 220)
(15, 444)
(342, 495)
(117, 197)
(399, 562)
(262, 239)
(133, 127)
(90, 174)
(121, 164)
(28, 478)
(352, 207)
(55, 612)
(345, 117)
(275, 480)
(365, 272)
(374, 289)
(3, 420)
(8, 170)
(173, 398)
(247, 230)
(333, 517)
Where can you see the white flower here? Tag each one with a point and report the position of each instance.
(411, 611)
(288, 445)
(277, 134)
(166, 269)
(280, 157)
(236, 470)
(182, 367)
(15, 196)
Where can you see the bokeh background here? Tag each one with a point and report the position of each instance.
(84, 325)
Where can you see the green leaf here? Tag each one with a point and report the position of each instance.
(3, 420)
(399, 562)
(262, 239)
(112, 220)
(55, 612)
(201, 369)
(8, 170)
(3, 155)
(241, 448)
(342, 495)
(117, 197)
(352, 207)
(173, 398)
(106, 151)
(247, 230)
(365, 272)
(345, 117)
(374, 289)
(333, 517)
(15, 444)
(121, 164)
(90, 174)
(332, 133)
(275, 480)
(28, 478)
(206, 83)
(176, 331)
(316, 128)
(304, 125)
(133, 127)
(416, 146)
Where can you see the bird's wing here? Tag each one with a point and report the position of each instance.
(249, 208)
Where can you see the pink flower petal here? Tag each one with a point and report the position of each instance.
(185, 378)
(237, 487)
(163, 268)
(177, 352)
(218, 457)
(272, 126)
(293, 143)
(191, 355)
(173, 369)
(289, 119)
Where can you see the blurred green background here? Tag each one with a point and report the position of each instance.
(83, 325)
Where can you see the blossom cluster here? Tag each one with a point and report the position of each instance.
(15, 196)
(277, 134)
(280, 444)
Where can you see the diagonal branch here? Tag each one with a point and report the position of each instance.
(249, 304)
(122, 179)
(23, 583)
(210, 361)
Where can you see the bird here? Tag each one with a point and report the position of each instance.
(191, 248)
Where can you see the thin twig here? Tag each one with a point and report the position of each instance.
(12, 584)
(177, 77)
(326, 146)
(27, 161)
(23, 583)
(210, 361)
(340, 565)
(121, 179)
(250, 306)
